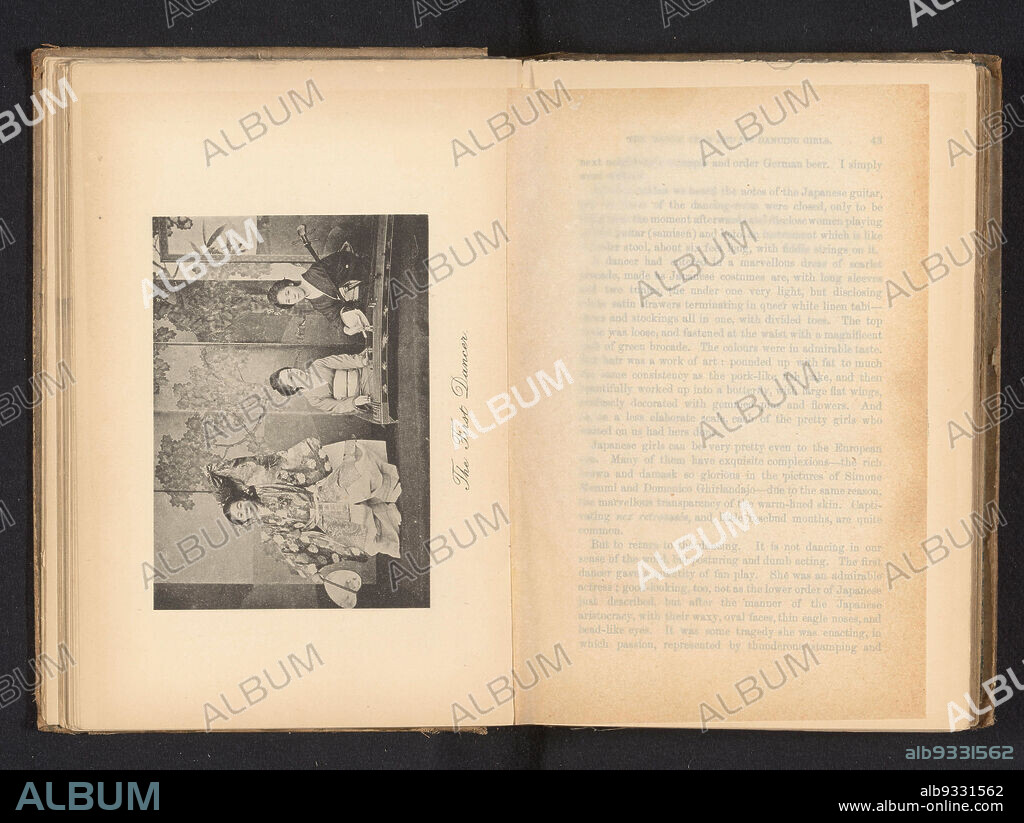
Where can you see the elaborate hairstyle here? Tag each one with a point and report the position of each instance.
(232, 468)
(275, 292)
(228, 491)
(278, 386)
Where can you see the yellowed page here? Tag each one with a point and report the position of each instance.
(377, 140)
(789, 621)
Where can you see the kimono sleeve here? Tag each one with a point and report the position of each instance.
(302, 464)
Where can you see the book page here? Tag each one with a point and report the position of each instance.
(284, 290)
(709, 517)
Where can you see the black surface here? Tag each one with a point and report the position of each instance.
(509, 29)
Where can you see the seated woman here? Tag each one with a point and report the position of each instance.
(339, 384)
(338, 286)
(353, 319)
(319, 504)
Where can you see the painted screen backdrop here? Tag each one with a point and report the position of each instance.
(216, 340)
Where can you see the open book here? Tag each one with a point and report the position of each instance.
(432, 390)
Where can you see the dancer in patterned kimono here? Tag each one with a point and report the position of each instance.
(318, 504)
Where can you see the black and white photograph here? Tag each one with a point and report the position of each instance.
(290, 412)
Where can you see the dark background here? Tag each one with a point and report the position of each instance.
(515, 29)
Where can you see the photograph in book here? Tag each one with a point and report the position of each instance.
(290, 411)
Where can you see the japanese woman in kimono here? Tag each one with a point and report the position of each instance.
(318, 504)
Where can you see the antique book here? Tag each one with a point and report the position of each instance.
(463, 391)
